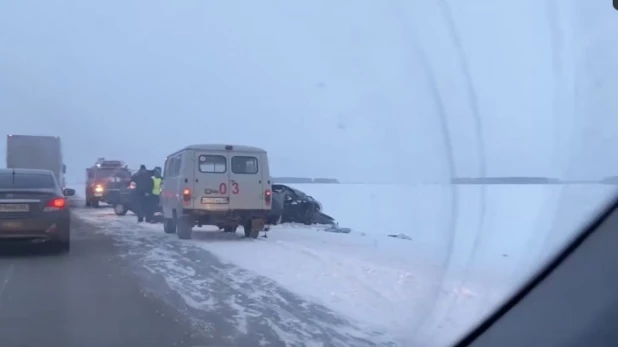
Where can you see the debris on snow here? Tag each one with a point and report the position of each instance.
(400, 236)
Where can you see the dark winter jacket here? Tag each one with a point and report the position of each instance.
(143, 182)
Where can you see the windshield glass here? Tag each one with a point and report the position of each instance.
(454, 145)
(26, 181)
(299, 193)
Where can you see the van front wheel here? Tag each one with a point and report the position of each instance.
(184, 228)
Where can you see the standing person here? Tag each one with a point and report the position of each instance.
(154, 197)
(142, 192)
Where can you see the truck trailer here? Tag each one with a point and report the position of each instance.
(36, 152)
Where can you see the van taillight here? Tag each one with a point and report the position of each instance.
(267, 196)
(186, 195)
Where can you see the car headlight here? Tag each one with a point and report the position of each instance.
(98, 188)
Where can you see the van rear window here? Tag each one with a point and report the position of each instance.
(213, 163)
(244, 165)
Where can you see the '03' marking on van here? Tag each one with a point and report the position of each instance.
(235, 188)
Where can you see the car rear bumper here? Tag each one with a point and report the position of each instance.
(25, 229)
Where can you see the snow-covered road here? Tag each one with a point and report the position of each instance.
(223, 297)
(366, 288)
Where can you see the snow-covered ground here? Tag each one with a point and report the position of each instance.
(395, 91)
(457, 265)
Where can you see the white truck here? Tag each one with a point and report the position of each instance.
(36, 152)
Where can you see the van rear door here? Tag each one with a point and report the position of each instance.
(266, 184)
(211, 187)
(246, 181)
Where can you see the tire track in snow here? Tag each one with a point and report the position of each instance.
(337, 262)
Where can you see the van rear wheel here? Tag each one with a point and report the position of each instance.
(184, 228)
(169, 227)
(249, 230)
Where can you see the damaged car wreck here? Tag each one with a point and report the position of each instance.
(289, 205)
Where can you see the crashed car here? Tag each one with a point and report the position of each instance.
(123, 202)
(290, 205)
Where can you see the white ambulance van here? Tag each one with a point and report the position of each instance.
(224, 185)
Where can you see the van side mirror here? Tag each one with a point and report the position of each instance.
(64, 168)
(68, 192)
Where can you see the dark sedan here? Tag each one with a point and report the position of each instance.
(33, 207)
(123, 203)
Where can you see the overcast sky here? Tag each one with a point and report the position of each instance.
(355, 89)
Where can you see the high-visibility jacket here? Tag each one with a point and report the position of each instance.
(156, 185)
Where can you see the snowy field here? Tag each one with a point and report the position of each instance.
(457, 264)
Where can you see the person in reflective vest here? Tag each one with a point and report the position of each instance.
(156, 191)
